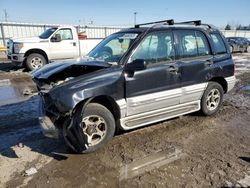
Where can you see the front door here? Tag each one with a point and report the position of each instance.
(157, 86)
(66, 48)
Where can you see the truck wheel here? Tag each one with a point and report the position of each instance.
(212, 98)
(35, 61)
(91, 129)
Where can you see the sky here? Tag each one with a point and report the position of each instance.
(121, 12)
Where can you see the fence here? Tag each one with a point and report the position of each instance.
(18, 30)
(236, 33)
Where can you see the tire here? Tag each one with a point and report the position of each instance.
(231, 49)
(90, 129)
(242, 50)
(35, 61)
(246, 50)
(212, 98)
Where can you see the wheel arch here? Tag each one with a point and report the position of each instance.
(36, 50)
(222, 81)
(104, 100)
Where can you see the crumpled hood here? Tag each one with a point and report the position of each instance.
(28, 40)
(56, 68)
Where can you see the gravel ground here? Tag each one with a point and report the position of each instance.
(190, 151)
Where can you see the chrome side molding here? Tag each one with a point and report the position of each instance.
(146, 118)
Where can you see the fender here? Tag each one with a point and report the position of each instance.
(105, 82)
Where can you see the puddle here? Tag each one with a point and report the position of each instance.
(8, 93)
(246, 88)
(148, 163)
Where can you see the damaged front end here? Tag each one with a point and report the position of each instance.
(47, 121)
(55, 74)
(58, 85)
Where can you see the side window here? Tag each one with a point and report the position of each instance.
(219, 45)
(157, 47)
(202, 43)
(66, 34)
(187, 44)
(192, 43)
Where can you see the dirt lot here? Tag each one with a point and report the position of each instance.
(190, 151)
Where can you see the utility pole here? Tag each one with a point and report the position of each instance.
(135, 14)
(5, 15)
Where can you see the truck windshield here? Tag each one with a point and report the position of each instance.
(113, 47)
(46, 34)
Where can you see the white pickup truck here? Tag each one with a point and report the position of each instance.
(56, 43)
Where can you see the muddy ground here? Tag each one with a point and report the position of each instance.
(190, 151)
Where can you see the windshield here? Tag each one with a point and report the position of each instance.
(113, 47)
(46, 34)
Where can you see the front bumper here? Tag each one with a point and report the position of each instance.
(47, 126)
(16, 58)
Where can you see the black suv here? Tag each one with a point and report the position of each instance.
(133, 78)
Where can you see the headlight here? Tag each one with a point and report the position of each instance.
(17, 47)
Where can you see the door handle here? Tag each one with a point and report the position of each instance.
(173, 69)
(73, 43)
(209, 62)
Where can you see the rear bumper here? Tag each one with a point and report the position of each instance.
(47, 126)
(230, 82)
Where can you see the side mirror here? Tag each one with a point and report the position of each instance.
(56, 38)
(136, 65)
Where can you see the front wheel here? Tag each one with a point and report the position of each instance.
(212, 98)
(35, 61)
(91, 129)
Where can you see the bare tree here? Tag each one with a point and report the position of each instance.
(228, 27)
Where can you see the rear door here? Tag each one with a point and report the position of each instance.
(159, 85)
(66, 48)
(195, 61)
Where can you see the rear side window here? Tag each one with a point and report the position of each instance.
(192, 43)
(187, 44)
(219, 45)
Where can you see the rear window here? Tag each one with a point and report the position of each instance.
(219, 45)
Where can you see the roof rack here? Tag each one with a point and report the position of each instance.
(194, 22)
(171, 22)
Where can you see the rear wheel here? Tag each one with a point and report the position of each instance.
(212, 99)
(91, 129)
(35, 61)
(246, 49)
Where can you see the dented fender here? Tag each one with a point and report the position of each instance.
(104, 82)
